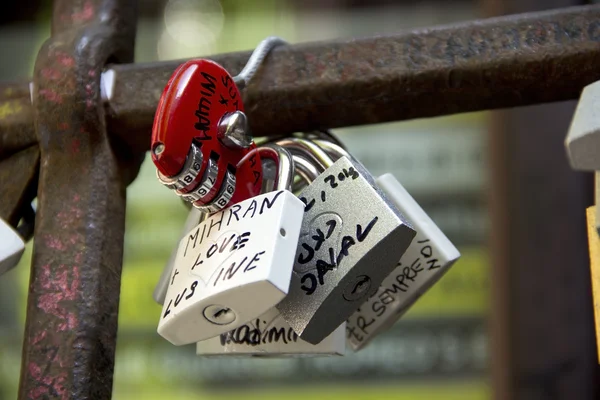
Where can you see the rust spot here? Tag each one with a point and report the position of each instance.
(86, 14)
(51, 95)
(62, 285)
(75, 146)
(65, 59)
(50, 73)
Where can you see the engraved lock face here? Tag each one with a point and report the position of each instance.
(198, 103)
(351, 239)
(269, 335)
(232, 268)
(427, 259)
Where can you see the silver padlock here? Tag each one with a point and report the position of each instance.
(269, 335)
(352, 238)
(428, 258)
(233, 267)
(12, 247)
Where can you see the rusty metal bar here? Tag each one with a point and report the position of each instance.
(71, 325)
(487, 64)
(473, 66)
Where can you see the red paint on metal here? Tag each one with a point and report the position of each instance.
(63, 284)
(84, 15)
(50, 73)
(75, 146)
(54, 243)
(65, 59)
(48, 386)
(51, 95)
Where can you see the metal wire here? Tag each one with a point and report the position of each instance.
(256, 59)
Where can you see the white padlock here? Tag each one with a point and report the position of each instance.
(232, 268)
(194, 217)
(12, 247)
(270, 336)
(428, 257)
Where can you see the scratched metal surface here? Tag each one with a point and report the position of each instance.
(426, 72)
(478, 65)
(71, 325)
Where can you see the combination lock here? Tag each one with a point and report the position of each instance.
(200, 141)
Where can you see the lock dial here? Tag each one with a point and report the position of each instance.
(200, 141)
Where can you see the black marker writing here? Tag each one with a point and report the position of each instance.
(254, 336)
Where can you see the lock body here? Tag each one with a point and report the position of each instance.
(232, 268)
(351, 240)
(427, 259)
(11, 247)
(269, 335)
(187, 147)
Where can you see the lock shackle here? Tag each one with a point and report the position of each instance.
(307, 170)
(285, 165)
(334, 150)
(310, 149)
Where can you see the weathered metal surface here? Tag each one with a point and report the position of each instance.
(71, 325)
(18, 180)
(479, 65)
(472, 66)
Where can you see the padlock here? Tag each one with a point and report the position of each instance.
(428, 258)
(269, 335)
(352, 238)
(193, 147)
(200, 137)
(234, 266)
(12, 247)
(195, 217)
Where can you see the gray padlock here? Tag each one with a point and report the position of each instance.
(351, 239)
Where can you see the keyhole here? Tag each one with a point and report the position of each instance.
(219, 315)
(358, 288)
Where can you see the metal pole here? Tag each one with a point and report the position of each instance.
(71, 326)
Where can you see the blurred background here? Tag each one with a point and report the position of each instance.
(510, 320)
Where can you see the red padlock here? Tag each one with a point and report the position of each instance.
(200, 142)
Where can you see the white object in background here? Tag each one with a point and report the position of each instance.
(428, 257)
(232, 268)
(583, 139)
(11, 247)
(270, 336)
